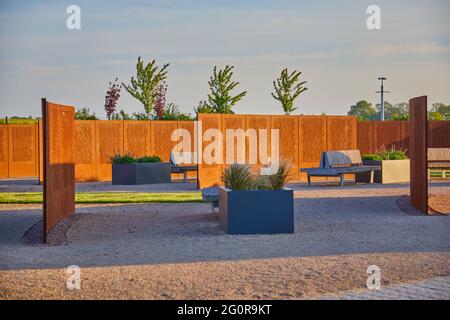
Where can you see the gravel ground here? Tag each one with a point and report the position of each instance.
(179, 250)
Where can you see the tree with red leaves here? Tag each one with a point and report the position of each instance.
(160, 101)
(111, 98)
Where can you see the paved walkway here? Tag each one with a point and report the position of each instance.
(430, 289)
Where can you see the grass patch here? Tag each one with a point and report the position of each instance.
(106, 197)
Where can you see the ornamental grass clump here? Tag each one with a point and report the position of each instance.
(277, 180)
(385, 154)
(239, 177)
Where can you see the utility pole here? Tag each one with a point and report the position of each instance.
(382, 92)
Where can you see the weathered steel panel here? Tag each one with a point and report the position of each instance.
(257, 123)
(109, 141)
(439, 134)
(85, 151)
(59, 166)
(161, 133)
(418, 153)
(404, 136)
(312, 137)
(341, 133)
(365, 137)
(387, 134)
(209, 174)
(232, 122)
(4, 173)
(288, 141)
(136, 139)
(22, 150)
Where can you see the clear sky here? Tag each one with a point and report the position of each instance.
(327, 40)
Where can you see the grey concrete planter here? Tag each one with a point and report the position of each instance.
(256, 211)
(392, 171)
(141, 173)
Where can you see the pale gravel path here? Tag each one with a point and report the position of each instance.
(430, 289)
(339, 232)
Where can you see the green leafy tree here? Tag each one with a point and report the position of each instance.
(287, 89)
(85, 114)
(433, 115)
(362, 110)
(145, 86)
(221, 99)
(442, 109)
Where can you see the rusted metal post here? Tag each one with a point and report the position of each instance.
(418, 153)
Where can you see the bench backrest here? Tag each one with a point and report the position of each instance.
(439, 154)
(179, 158)
(340, 158)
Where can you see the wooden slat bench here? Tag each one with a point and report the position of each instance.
(339, 163)
(438, 159)
(176, 161)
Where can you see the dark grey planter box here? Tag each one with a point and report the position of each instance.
(256, 211)
(141, 173)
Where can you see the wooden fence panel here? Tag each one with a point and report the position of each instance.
(22, 150)
(109, 141)
(59, 166)
(288, 144)
(4, 151)
(312, 137)
(85, 150)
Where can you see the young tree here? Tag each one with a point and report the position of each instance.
(84, 114)
(362, 110)
(442, 109)
(221, 100)
(111, 98)
(144, 86)
(287, 89)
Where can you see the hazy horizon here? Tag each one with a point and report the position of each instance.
(330, 43)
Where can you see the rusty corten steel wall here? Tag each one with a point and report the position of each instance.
(312, 139)
(418, 153)
(137, 139)
(364, 133)
(4, 151)
(208, 173)
(302, 139)
(85, 151)
(387, 134)
(439, 134)
(22, 150)
(59, 165)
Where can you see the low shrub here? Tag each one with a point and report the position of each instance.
(148, 159)
(119, 158)
(385, 154)
(128, 158)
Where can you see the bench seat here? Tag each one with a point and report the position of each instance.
(339, 163)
